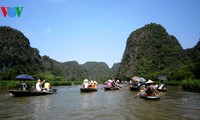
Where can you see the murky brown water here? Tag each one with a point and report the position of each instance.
(70, 104)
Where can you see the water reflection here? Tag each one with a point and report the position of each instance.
(71, 104)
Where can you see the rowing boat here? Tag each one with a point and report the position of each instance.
(134, 88)
(88, 89)
(20, 93)
(111, 88)
(155, 97)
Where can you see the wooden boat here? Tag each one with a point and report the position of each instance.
(134, 88)
(161, 87)
(20, 93)
(111, 88)
(88, 89)
(143, 95)
(162, 90)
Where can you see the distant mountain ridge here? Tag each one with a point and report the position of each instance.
(150, 51)
(72, 70)
(17, 57)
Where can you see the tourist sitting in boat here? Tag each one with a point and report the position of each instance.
(47, 86)
(92, 85)
(23, 86)
(117, 83)
(133, 83)
(150, 89)
(109, 83)
(95, 84)
(85, 83)
(155, 86)
(113, 83)
(39, 85)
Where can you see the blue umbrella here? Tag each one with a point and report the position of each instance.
(24, 77)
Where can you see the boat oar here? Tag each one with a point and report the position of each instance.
(160, 94)
(100, 90)
(119, 87)
(138, 93)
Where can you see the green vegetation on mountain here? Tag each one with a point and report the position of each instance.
(114, 70)
(98, 70)
(194, 55)
(16, 55)
(151, 51)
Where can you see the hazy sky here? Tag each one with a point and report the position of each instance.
(97, 30)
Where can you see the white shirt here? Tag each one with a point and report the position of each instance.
(86, 85)
(38, 87)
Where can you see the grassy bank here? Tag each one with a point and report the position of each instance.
(13, 84)
(172, 83)
(193, 85)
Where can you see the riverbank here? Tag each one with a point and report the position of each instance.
(192, 85)
(13, 84)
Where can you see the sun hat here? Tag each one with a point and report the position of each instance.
(86, 80)
(149, 82)
(91, 81)
(110, 80)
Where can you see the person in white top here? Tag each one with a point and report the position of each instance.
(39, 85)
(85, 83)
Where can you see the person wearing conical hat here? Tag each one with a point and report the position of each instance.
(149, 82)
(150, 90)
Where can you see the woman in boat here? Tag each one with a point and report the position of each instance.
(117, 83)
(85, 83)
(109, 83)
(92, 85)
(39, 85)
(113, 83)
(95, 84)
(47, 86)
(23, 86)
(150, 89)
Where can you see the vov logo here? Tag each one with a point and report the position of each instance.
(11, 11)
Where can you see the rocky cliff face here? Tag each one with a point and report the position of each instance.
(150, 51)
(17, 56)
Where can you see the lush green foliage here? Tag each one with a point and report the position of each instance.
(9, 84)
(193, 85)
(13, 84)
(18, 57)
(151, 51)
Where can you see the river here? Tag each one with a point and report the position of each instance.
(70, 104)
